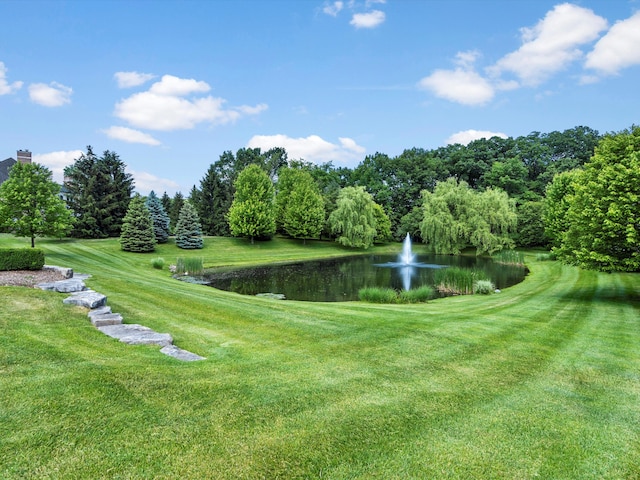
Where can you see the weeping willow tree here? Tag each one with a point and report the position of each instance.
(354, 219)
(455, 217)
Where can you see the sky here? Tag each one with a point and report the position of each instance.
(171, 85)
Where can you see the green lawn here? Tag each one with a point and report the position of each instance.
(539, 381)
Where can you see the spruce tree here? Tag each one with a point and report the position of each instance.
(159, 217)
(137, 228)
(188, 229)
(166, 202)
(176, 207)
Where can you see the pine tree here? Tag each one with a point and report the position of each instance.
(159, 217)
(214, 202)
(137, 228)
(176, 207)
(188, 229)
(166, 202)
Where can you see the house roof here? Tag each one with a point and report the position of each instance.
(5, 165)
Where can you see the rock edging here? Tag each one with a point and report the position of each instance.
(108, 322)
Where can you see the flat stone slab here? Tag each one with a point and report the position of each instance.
(65, 272)
(180, 354)
(134, 334)
(87, 298)
(106, 319)
(99, 311)
(70, 285)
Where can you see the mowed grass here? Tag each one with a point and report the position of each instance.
(539, 381)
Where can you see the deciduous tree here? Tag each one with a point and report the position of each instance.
(354, 219)
(30, 205)
(252, 213)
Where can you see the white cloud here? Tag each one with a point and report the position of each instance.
(176, 86)
(551, 44)
(5, 87)
(52, 95)
(618, 49)
(368, 20)
(312, 148)
(132, 79)
(56, 161)
(467, 136)
(461, 85)
(333, 9)
(145, 182)
(130, 135)
(163, 106)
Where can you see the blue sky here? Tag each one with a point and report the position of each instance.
(170, 85)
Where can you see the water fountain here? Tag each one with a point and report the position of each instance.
(407, 263)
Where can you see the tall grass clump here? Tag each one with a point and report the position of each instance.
(545, 257)
(190, 266)
(377, 295)
(417, 295)
(510, 257)
(457, 281)
(484, 287)
(157, 263)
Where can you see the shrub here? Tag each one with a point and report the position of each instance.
(157, 263)
(417, 295)
(544, 257)
(377, 295)
(484, 287)
(189, 266)
(21, 259)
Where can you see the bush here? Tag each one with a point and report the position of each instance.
(484, 287)
(21, 259)
(157, 263)
(189, 266)
(544, 257)
(417, 295)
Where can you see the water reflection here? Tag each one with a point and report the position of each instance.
(340, 279)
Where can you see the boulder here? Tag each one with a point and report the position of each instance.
(87, 298)
(99, 311)
(65, 272)
(134, 334)
(64, 286)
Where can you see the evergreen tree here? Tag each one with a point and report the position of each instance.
(98, 190)
(159, 217)
(354, 219)
(137, 228)
(188, 229)
(252, 213)
(29, 203)
(214, 204)
(304, 212)
(166, 202)
(176, 207)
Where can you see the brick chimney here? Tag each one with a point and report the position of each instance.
(24, 156)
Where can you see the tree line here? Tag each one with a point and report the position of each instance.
(491, 194)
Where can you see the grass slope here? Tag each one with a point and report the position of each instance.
(540, 381)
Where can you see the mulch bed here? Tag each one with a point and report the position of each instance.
(28, 278)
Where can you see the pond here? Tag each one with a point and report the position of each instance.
(340, 279)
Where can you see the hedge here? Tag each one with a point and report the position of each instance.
(21, 259)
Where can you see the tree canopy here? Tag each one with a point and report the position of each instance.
(601, 227)
(252, 213)
(98, 191)
(354, 219)
(30, 205)
(456, 216)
